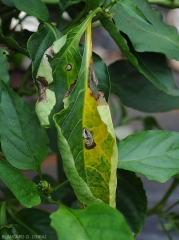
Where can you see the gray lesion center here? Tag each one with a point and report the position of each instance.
(68, 67)
(43, 86)
(96, 93)
(88, 138)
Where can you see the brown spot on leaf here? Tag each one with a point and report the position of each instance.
(70, 89)
(43, 85)
(88, 138)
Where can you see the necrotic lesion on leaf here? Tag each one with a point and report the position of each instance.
(43, 86)
(69, 67)
(70, 88)
(88, 138)
(96, 93)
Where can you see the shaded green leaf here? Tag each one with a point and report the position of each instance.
(4, 66)
(23, 141)
(150, 123)
(97, 221)
(34, 8)
(153, 153)
(23, 189)
(63, 4)
(133, 10)
(50, 1)
(131, 199)
(136, 91)
(37, 222)
(157, 37)
(12, 43)
(8, 2)
(92, 4)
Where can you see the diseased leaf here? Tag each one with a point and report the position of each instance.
(23, 189)
(34, 8)
(47, 100)
(136, 91)
(39, 42)
(133, 10)
(153, 153)
(102, 75)
(131, 199)
(146, 63)
(23, 141)
(82, 223)
(86, 137)
(157, 37)
(12, 43)
(66, 63)
(4, 66)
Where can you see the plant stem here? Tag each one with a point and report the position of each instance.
(164, 229)
(60, 185)
(165, 3)
(173, 205)
(21, 223)
(3, 214)
(158, 207)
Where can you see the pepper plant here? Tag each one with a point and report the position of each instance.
(98, 194)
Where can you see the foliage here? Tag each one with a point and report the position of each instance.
(71, 118)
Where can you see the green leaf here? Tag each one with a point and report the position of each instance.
(33, 7)
(23, 141)
(97, 221)
(146, 63)
(157, 37)
(23, 189)
(153, 153)
(12, 43)
(131, 199)
(37, 222)
(119, 39)
(86, 137)
(136, 91)
(4, 66)
(133, 10)
(39, 42)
